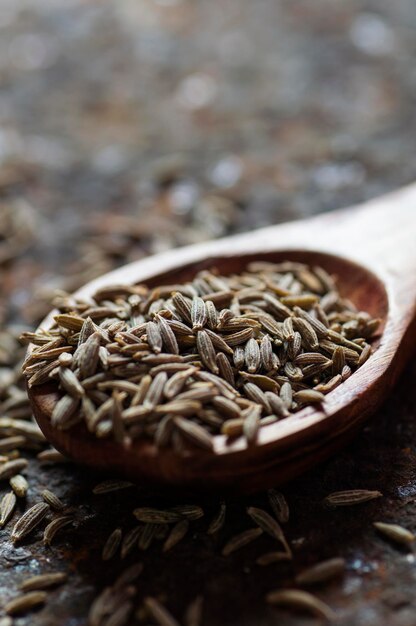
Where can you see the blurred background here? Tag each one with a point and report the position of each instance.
(129, 127)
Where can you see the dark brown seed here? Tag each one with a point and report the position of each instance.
(241, 540)
(195, 433)
(206, 351)
(112, 544)
(218, 521)
(321, 572)
(183, 306)
(269, 525)
(156, 516)
(198, 313)
(277, 404)
(176, 535)
(155, 391)
(169, 340)
(54, 527)
(108, 486)
(225, 369)
(193, 615)
(64, 414)
(130, 540)
(160, 613)
(273, 557)
(279, 505)
(154, 337)
(301, 600)
(88, 359)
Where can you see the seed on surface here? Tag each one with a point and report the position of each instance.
(54, 527)
(218, 520)
(279, 505)
(108, 486)
(19, 485)
(302, 601)
(351, 497)
(53, 500)
(7, 505)
(130, 540)
(25, 603)
(29, 521)
(190, 511)
(11, 468)
(241, 540)
(269, 525)
(321, 572)
(112, 544)
(160, 612)
(273, 557)
(156, 516)
(395, 532)
(176, 535)
(43, 581)
(193, 615)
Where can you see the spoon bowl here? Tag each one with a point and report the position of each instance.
(371, 251)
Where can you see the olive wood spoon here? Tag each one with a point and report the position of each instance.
(372, 250)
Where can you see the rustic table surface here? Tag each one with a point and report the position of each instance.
(131, 127)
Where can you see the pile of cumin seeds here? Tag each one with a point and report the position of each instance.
(218, 355)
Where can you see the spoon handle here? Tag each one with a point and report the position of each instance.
(380, 234)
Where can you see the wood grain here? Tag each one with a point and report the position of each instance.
(372, 251)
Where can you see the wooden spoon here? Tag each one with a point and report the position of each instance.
(372, 251)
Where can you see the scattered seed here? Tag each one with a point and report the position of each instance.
(321, 572)
(351, 497)
(7, 505)
(19, 485)
(29, 521)
(53, 500)
(112, 544)
(241, 540)
(43, 581)
(269, 525)
(159, 612)
(302, 601)
(273, 557)
(11, 468)
(176, 535)
(54, 527)
(395, 532)
(25, 603)
(279, 505)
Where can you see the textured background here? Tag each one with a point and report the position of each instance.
(129, 127)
